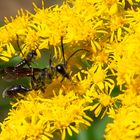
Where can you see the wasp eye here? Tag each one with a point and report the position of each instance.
(60, 69)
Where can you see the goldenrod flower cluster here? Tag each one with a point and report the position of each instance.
(108, 34)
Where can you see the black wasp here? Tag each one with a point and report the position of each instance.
(38, 76)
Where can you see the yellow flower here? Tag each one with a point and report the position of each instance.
(10, 31)
(102, 101)
(99, 77)
(40, 118)
(125, 124)
(7, 52)
(107, 36)
(128, 55)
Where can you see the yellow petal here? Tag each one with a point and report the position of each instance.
(69, 131)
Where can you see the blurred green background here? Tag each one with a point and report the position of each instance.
(9, 8)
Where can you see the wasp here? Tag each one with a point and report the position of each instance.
(38, 75)
(19, 71)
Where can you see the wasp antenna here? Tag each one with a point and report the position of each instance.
(74, 54)
(62, 47)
